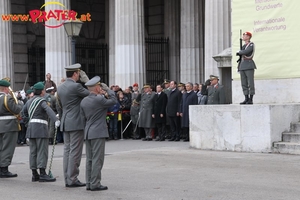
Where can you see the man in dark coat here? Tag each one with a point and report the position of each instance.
(160, 112)
(146, 110)
(172, 111)
(188, 98)
(9, 109)
(216, 93)
(69, 96)
(93, 110)
(36, 112)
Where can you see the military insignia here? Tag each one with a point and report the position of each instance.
(251, 45)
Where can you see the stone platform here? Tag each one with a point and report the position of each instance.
(243, 128)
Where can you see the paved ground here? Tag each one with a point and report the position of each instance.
(166, 170)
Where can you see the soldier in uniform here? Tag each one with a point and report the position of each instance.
(134, 111)
(51, 100)
(216, 93)
(9, 128)
(36, 112)
(246, 68)
(69, 96)
(93, 110)
(146, 110)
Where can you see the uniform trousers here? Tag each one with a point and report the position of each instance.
(73, 144)
(7, 147)
(95, 150)
(247, 81)
(38, 156)
(148, 132)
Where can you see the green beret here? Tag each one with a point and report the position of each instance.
(29, 91)
(4, 83)
(39, 86)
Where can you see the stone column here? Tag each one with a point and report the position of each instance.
(191, 41)
(6, 50)
(217, 32)
(129, 42)
(57, 45)
(172, 31)
(112, 41)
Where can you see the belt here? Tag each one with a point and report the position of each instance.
(7, 117)
(38, 121)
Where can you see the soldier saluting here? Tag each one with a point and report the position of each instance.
(246, 68)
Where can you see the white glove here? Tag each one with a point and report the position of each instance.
(104, 87)
(57, 123)
(57, 116)
(83, 77)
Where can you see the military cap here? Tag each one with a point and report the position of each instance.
(166, 81)
(38, 86)
(73, 68)
(135, 85)
(212, 77)
(180, 84)
(4, 83)
(94, 81)
(29, 91)
(248, 33)
(147, 85)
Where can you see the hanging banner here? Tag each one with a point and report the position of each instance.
(275, 33)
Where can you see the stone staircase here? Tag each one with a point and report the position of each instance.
(290, 143)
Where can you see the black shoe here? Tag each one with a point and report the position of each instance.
(249, 102)
(172, 139)
(145, 139)
(178, 139)
(162, 140)
(101, 187)
(157, 139)
(46, 178)
(35, 176)
(7, 175)
(4, 173)
(149, 139)
(186, 140)
(88, 188)
(76, 184)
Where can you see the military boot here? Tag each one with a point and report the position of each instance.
(44, 177)
(250, 101)
(35, 176)
(246, 99)
(4, 173)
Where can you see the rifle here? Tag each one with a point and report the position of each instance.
(240, 57)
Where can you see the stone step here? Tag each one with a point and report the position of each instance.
(291, 137)
(295, 127)
(286, 147)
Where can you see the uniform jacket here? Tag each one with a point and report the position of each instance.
(93, 109)
(216, 95)
(146, 110)
(9, 125)
(190, 98)
(69, 96)
(160, 107)
(247, 53)
(173, 105)
(135, 106)
(35, 129)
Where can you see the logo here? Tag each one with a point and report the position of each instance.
(57, 16)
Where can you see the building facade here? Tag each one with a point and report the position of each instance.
(126, 41)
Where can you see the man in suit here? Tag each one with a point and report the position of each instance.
(216, 94)
(160, 112)
(246, 68)
(69, 96)
(146, 110)
(188, 98)
(9, 130)
(93, 110)
(172, 110)
(36, 112)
